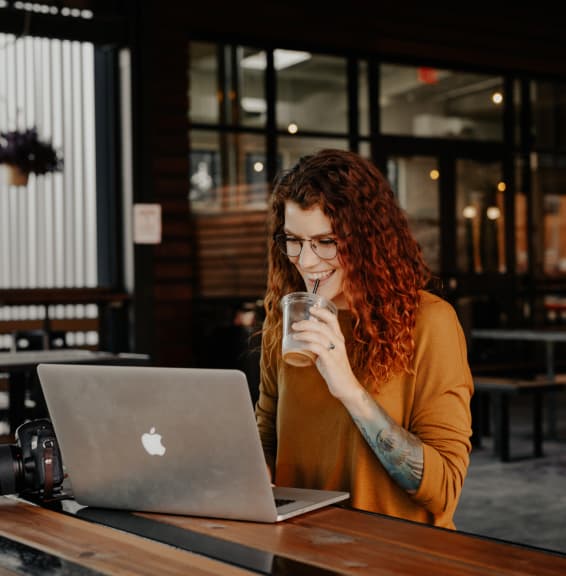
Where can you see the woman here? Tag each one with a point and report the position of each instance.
(385, 412)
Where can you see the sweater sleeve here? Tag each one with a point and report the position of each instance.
(441, 415)
(266, 408)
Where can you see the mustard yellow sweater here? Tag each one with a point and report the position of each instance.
(312, 441)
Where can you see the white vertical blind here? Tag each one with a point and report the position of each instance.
(48, 228)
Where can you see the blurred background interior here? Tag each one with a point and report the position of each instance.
(173, 118)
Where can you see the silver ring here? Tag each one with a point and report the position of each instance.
(331, 346)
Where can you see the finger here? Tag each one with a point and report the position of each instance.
(323, 314)
(319, 343)
(316, 332)
(309, 326)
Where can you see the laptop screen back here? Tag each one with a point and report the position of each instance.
(173, 440)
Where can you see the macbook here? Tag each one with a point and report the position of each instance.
(168, 440)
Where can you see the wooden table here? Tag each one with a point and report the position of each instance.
(501, 390)
(19, 365)
(330, 541)
(549, 338)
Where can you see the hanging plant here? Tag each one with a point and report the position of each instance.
(25, 153)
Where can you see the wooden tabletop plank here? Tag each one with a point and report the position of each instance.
(100, 548)
(489, 555)
(355, 543)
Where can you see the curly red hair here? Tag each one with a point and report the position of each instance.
(383, 264)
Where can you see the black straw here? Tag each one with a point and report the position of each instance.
(315, 287)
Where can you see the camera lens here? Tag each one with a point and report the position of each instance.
(11, 472)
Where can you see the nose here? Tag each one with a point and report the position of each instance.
(308, 256)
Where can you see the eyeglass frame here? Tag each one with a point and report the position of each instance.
(277, 238)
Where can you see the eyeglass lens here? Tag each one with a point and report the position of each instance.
(324, 248)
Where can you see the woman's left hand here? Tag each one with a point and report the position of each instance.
(324, 337)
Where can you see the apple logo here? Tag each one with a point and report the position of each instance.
(152, 443)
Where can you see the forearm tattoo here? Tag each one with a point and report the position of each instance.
(400, 452)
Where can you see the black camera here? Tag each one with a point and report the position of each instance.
(32, 466)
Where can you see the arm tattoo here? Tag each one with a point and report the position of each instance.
(400, 452)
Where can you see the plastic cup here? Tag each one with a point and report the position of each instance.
(295, 307)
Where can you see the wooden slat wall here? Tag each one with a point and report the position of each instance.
(232, 254)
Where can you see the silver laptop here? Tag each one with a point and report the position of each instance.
(169, 440)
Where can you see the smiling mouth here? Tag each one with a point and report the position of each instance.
(321, 277)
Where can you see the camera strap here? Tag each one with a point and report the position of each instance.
(48, 462)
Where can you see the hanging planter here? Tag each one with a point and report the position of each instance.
(23, 153)
(15, 176)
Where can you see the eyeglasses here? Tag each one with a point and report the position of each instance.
(291, 246)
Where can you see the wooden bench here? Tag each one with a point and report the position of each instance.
(500, 391)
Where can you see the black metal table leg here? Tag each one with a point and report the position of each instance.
(537, 424)
(501, 437)
(17, 396)
(476, 408)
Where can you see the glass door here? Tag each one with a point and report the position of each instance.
(456, 209)
(415, 181)
(480, 217)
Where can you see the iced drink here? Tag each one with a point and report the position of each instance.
(296, 307)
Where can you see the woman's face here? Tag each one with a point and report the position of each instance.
(313, 224)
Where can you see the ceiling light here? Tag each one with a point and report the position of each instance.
(497, 97)
(292, 128)
(254, 105)
(281, 59)
(493, 212)
(469, 212)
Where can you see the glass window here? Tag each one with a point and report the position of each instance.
(554, 234)
(203, 83)
(521, 222)
(517, 101)
(480, 211)
(549, 183)
(415, 183)
(311, 92)
(292, 148)
(251, 88)
(434, 102)
(549, 115)
(363, 99)
(365, 150)
(227, 171)
(240, 98)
